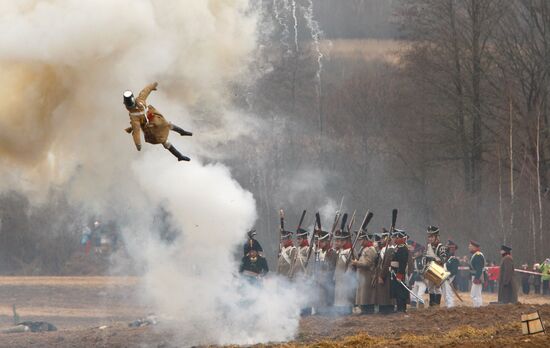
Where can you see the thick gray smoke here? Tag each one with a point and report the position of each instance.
(64, 65)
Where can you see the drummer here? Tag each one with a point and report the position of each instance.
(435, 252)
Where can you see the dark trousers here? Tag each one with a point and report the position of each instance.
(491, 286)
(386, 309)
(537, 289)
(525, 288)
(545, 289)
(367, 309)
(305, 312)
(401, 304)
(464, 283)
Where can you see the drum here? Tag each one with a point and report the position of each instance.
(436, 273)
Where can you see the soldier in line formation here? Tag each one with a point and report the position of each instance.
(375, 278)
(372, 279)
(383, 275)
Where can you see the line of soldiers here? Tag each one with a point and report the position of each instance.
(385, 275)
(372, 278)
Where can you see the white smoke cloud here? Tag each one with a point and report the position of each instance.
(64, 65)
(192, 281)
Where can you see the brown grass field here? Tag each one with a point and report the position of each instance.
(78, 306)
(364, 49)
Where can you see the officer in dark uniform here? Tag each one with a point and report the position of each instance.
(399, 262)
(252, 243)
(451, 266)
(477, 266)
(452, 261)
(417, 279)
(253, 266)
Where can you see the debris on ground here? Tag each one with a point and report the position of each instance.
(32, 326)
(148, 320)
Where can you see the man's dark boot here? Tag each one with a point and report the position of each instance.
(305, 312)
(176, 153)
(367, 309)
(437, 299)
(180, 130)
(385, 309)
(402, 305)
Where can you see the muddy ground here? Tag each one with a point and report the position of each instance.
(79, 306)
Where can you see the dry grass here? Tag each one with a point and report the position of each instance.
(365, 50)
(99, 281)
(465, 336)
(78, 305)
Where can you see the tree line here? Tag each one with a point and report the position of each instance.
(452, 127)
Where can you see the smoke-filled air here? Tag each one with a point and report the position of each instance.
(189, 173)
(64, 67)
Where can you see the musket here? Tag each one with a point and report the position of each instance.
(380, 265)
(293, 263)
(281, 228)
(301, 220)
(362, 229)
(316, 227)
(300, 225)
(343, 223)
(349, 227)
(393, 220)
(335, 223)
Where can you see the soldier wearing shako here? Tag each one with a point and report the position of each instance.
(435, 251)
(344, 295)
(365, 265)
(253, 266)
(398, 264)
(384, 301)
(451, 266)
(325, 263)
(299, 261)
(287, 255)
(417, 279)
(146, 118)
(477, 266)
(300, 266)
(252, 243)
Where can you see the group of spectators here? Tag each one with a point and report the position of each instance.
(537, 281)
(102, 238)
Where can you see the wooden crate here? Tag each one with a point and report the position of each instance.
(532, 324)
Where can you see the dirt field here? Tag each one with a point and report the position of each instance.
(78, 306)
